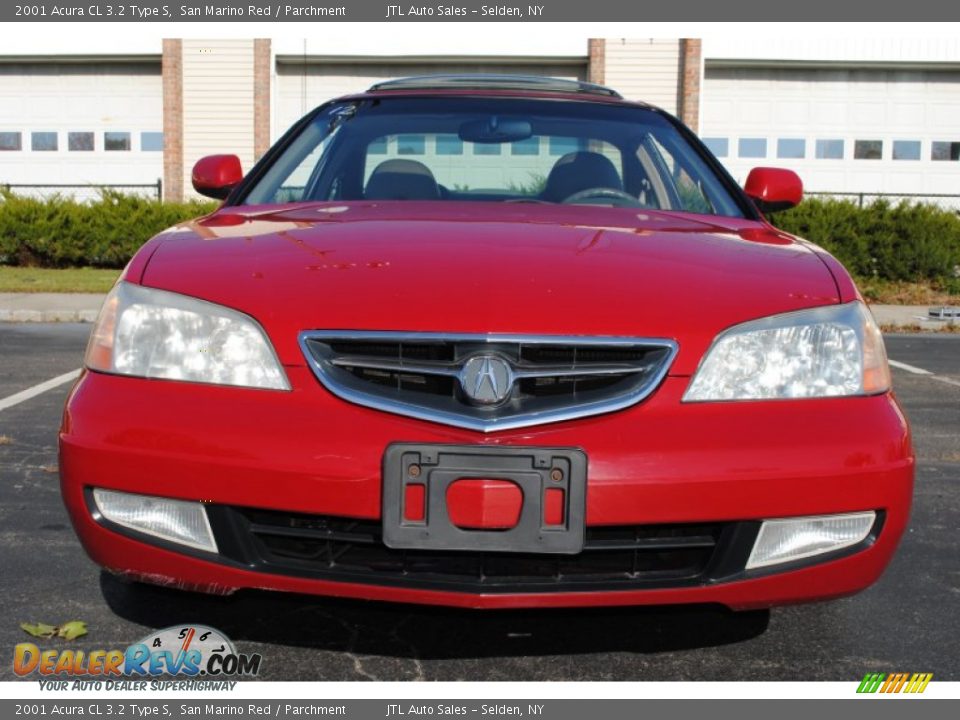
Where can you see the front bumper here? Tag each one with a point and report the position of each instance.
(660, 463)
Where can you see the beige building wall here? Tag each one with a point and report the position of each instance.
(218, 102)
(645, 69)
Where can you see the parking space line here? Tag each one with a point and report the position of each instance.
(920, 371)
(32, 392)
(909, 368)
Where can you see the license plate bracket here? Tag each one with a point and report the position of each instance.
(436, 466)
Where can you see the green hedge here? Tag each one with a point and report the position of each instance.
(904, 241)
(62, 232)
(913, 242)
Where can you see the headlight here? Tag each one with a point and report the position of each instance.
(826, 352)
(157, 334)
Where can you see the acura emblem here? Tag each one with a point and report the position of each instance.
(486, 379)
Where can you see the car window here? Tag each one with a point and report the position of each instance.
(683, 180)
(517, 168)
(503, 150)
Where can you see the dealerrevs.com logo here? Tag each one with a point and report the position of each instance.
(182, 650)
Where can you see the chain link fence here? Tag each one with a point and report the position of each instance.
(945, 200)
(83, 192)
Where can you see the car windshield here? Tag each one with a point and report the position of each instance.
(493, 150)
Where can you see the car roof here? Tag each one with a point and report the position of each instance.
(494, 82)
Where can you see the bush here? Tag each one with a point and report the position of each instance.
(905, 241)
(62, 232)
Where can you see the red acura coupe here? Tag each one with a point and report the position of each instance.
(489, 342)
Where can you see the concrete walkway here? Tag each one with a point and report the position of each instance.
(83, 307)
(49, 307)
(911, 315)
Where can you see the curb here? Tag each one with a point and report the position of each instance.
(48, 316)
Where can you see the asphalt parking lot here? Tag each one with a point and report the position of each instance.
(906, 622)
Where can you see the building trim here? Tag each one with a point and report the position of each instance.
(173, 120)
(262, 72)
(597, 60)
(691, 70)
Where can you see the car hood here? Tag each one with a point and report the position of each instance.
(490, 268)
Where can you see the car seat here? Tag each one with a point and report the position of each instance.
(401, 180)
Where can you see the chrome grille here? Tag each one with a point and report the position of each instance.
(487, 382)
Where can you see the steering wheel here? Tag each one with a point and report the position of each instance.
(600, 193)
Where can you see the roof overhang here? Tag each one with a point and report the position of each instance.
(558, 60)
(778, 64)
(147, 59)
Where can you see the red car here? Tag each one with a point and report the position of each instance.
(489, 342)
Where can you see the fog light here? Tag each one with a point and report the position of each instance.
(781, 541)
(178, 521)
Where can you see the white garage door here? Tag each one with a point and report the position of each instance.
(81, 123)
(849, 130)
(300, 88)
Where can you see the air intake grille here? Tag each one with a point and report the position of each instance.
(621, 557)
(487, 382)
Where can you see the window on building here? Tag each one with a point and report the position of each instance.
(563, 145)
(486, 148)
(80, 141)
(530, 146)
(906, 149)
(43, 141)
(11, 141)
(720, 147)
(151, 141)
(116, 141)
(791, 148)
(752, 148)
(944, 150)
(411, 144)
(449, 145)
(829, 150)
(868, 149)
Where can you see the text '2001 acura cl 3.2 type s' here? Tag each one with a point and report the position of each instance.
(489, 342)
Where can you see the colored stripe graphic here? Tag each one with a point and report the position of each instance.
(919, 682)
(894, 683)
(871, 682)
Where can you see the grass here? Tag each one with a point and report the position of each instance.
(67, 280)
(915, 328)
(899, 292)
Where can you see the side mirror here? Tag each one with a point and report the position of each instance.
(774, 189)
(216, 175)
